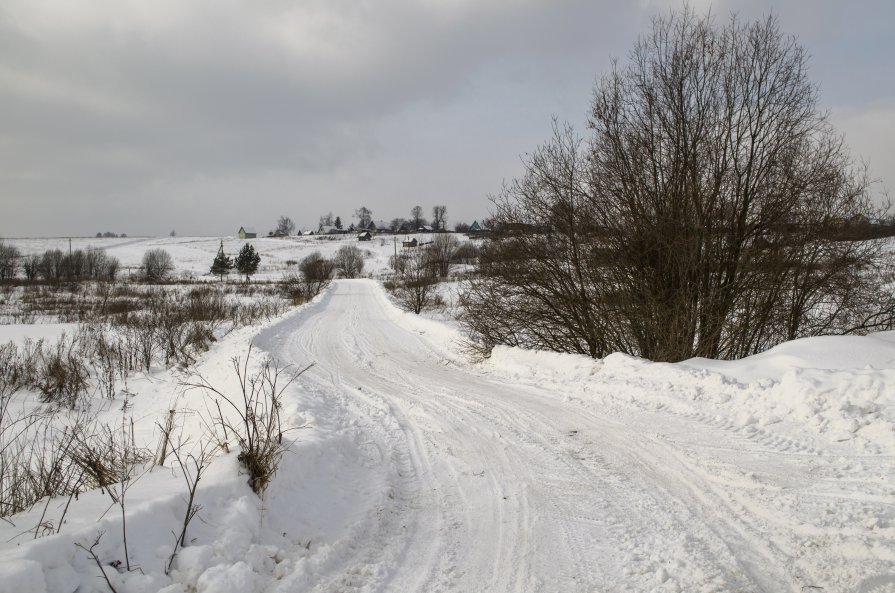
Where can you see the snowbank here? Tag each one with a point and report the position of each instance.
(839, 388)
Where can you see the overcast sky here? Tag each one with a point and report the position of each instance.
(144, 116)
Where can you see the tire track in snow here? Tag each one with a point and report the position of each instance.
(503, 487)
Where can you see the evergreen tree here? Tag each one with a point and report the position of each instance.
(247, 260)
(222, 263)
(339, 223)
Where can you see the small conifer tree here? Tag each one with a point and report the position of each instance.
(338, 223)
(222, 263)
(247, 260)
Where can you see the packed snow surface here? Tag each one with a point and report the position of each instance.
(417, 469)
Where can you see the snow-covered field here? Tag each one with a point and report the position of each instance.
(417, 469)
(193, 255)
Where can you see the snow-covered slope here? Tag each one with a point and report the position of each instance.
(193, 255)
(418, 470)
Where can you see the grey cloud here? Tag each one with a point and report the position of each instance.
(195, 104)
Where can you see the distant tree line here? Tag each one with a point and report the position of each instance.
(54, 264)
(364, 221)
(705, 214)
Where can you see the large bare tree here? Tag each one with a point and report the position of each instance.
(9, 261)
(416, 217)
(439, 217)
(364, 216)
(703, 216)
(285, 225)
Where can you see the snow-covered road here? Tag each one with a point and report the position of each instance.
(435, 474)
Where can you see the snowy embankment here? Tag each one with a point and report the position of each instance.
(417, 470)
(835, 389)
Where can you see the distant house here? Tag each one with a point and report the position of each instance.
(379, 226)
(365, 236)
(425, 229)
(327, 229)
(247, 232)
(411, 243)
(475, 227)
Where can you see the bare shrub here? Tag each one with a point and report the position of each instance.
(62, 450)
(16, 370)
(317, 270)
(349, 261)
(316, 274)
(35, 458)
(142, 337)
(93, 556)
(192, 466)
(157, 265)
(61, 374)
(415, 286)
(106, 363)
(441, 252)
(51, 267)
(467, 253)
(209, 305)
(295, 288)
(255, 418)
(99, 265)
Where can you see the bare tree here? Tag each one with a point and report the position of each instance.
(31, 266)
(441, 253)
(157, 265)
(285, 226)
(51, 267)
(703, 216)
(99, 265)
(416, 217)
(539, 278)
(439, 217)
(327, 219)
(416, 283)
(363, 215)
(349, 260)
(316, 274)
(9, 261)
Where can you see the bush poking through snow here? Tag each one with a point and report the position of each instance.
(253, 416)
(105, 456)
(93, 556)
(60, 450)
(192, 467)
(62, 375)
